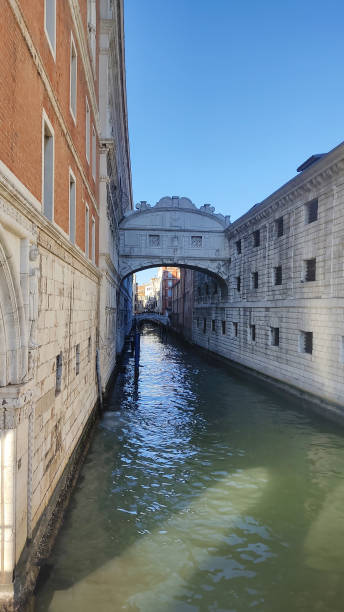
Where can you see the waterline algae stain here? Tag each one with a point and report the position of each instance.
(202, 491)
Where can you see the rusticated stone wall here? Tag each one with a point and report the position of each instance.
(284, 316)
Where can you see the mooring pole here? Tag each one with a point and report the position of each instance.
(137, 347)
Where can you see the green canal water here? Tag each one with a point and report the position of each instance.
(202, 491)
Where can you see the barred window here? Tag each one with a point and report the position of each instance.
(311, 211)
(310, 269)
(77, 359)
(274, 332)
(306, 342)
(58, 382)
(196, 242)
(279, 227)
(238, 247)
(254, 279)
(256, 238)
(278, 275)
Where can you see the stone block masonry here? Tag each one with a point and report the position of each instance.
(284, 315)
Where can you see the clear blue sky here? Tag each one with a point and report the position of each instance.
(226, 99)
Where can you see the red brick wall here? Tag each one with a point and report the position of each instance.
(23, 97)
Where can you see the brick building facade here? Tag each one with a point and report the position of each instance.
(182, 303)
(50, 280)
(169, 277)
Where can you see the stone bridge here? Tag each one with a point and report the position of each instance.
(174, 232)
(153, 316)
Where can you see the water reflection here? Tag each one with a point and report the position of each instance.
(202, 491)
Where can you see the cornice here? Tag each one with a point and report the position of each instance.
(47, 235)
(301, 187)
(45, 79)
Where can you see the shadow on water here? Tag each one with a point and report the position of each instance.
(202, 490)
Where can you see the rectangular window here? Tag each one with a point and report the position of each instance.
(213, 328)
(50, 24)
(87, 231)
(306, 342)
(238, 247)
(256, 238)
(88, 131)
(204, 325)
(278, 275)
(89, 349)
(48, 170)
(254, 280)
(154, 240)
(93, 241)
(223, 327)
(238, 283)
(235, 329)
(73, 77)
(252, 333)
(279, 227)
(310, 269)
(341, 349)
(197, 322)
(92, 28)
(311, 210)
(72, 206)
(196, 242)
(58, 382)
(94, 153)
(274, 335)
(77, 359)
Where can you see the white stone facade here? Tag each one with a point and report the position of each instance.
(276, 290)
(115, 189)
(49, 309)
(174, 232)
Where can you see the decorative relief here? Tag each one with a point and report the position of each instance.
(184, 204)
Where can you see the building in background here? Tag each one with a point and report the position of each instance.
(60, 296)
(147, 296)
(182, 303)
(168, 276)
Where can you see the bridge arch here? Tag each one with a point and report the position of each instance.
(175, 232)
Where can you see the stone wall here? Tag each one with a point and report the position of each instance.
(277, 320)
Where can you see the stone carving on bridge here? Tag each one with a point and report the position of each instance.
(174, 232)
(181, 203)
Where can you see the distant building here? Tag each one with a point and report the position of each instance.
(182, 303)
(169, 276)
(147, 295)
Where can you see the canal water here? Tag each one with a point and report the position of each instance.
(202, 491)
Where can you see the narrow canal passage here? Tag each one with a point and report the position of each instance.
(202, 492)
